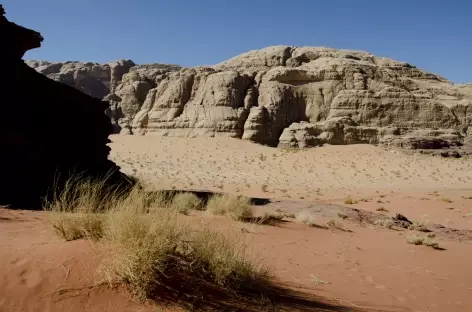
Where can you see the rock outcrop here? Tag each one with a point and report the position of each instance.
(121, 83)
(295, 96)
(50, 130)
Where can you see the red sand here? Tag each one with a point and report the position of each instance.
(367, 268)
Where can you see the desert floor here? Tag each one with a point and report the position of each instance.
(352, 266)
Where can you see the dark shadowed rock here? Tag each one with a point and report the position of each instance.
(49, 130)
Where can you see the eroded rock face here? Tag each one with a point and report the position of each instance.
(260, 94)
(94, 79)
(43, 137)
(122, 83)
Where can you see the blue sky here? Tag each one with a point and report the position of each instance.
(435, 35)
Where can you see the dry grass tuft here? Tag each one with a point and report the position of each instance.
(149, 249)
(428, 241)
(78, 211)
(418, 226)
(184, 202)
(415, 240)
(386, 223)
(149, 246)
(289, 215)
(350, 201)
(306, 218)
(237, 207)
(335, 224)
(270, 218)
(446, 200)
(72, 226)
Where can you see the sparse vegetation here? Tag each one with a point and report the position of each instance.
(77, 225)
(184, 202)
(237, 207)
(386, 223)
(149, 245)
(418, 226)
(446, 200)
(317, 281)
(416, 240)
(431, 243)
(306, 218)
(335, 224)
(78, 211)
(270, 218)
(350, 201)
(381, 209)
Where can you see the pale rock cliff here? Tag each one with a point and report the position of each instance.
(282, 96)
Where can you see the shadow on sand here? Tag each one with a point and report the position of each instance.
(195, 294)
(206, 195)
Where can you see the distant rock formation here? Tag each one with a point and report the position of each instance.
(49, 130)
(292, 97)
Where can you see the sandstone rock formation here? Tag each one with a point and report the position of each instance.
(121, 83)
(50, 130)
(295, 97)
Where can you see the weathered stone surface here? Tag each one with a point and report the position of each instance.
(337, 130)
(94, 79)
(258, 95)
(123, 83)
(195, 102)
(50, 130)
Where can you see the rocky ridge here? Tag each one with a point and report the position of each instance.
(282, 96)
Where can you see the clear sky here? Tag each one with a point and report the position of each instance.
(435, 35)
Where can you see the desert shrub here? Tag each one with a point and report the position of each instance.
(415, 240)
(149, 248)
(350, 201)
(184, 202)
(237, 207)
(335, 224)
(418, 226)
(77, 211)
(446, 200)
(81, 195)
(386, 223)
(71, 226)
(428, 241)
(269, 218)
(289, 215)
(306, 218)
(149, 245)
